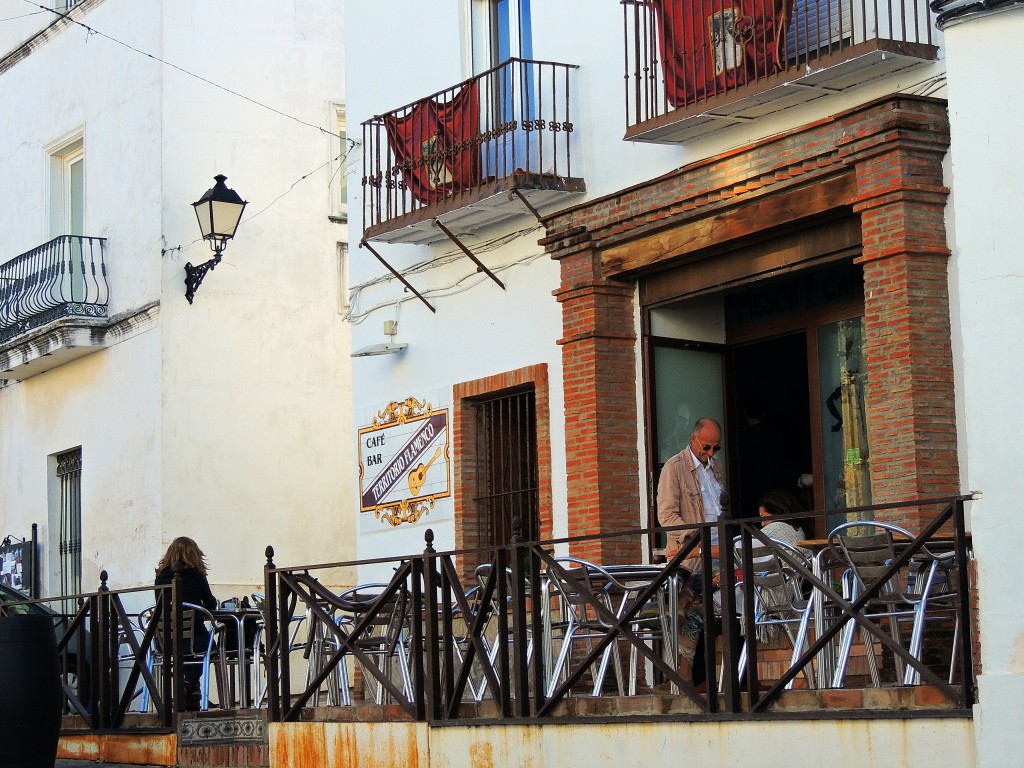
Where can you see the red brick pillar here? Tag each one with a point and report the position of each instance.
(599, 372)
(911, 418)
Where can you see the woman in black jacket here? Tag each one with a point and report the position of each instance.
(185, 557)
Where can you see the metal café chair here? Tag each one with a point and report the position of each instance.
(937, 584)
(240, 642)
(461, 625)
(320, 646)
(781, 599)
(904, 600)
(259, 667)
(201, 656)
(581, 586)
(383, 637)
(125, 660)
(490, 638)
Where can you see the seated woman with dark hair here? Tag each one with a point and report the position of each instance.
(780, 502)
(185, 555)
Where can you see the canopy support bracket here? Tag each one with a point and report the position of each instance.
(469, 253)
(536, 214)
(396, 273)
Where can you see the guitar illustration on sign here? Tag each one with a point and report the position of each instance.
(419, 475)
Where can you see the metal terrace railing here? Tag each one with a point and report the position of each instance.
(520, 633)
(66, 277)
(104, 652)
(525, 631)
(506, 129)
(687, 57)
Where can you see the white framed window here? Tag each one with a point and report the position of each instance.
(67, 186)
(341, 163)
(343, 283)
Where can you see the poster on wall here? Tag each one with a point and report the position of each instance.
(16, 565)
(404, 461)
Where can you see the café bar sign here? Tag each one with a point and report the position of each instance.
(403, 461)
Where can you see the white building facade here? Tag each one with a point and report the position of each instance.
(546, 307)
(130, 416)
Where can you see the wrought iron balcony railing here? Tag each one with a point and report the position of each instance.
(506, 130)
(66, 277)
(707, 63)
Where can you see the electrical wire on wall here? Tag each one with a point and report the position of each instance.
(948, 11)
(461, 284)
(342, 159)
(451, 289)
(164, 62)
(26, 15)
(927, 87)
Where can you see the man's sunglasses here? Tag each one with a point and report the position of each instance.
(705, 447)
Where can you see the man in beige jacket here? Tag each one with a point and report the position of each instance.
(689, 493)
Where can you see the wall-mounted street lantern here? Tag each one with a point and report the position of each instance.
(219, 212)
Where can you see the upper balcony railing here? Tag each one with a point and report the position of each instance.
(696, 65)
(66, 277)
(455, 152)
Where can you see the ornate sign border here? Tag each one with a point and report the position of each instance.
(412, 508)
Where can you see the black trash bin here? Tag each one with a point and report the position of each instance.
(30, 692)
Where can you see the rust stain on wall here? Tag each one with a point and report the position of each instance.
(79, 747)
(158, 749)
(481, 755)
(299, 746)
(1016, 665)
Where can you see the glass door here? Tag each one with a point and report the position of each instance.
(846, 460)
(687, 384)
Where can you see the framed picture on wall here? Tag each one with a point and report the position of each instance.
(16, 566)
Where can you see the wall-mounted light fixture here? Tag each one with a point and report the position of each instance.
(388, 347)
(218, 211)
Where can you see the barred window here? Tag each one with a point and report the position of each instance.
(506, 451)
(69, 482)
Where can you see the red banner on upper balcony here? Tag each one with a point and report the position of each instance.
(712, 46)
(436, 145)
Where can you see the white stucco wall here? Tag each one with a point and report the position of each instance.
(228, 420)
(988, 184)
(262, 396)
(107, 403)
(52, 413)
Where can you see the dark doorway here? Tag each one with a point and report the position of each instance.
(772, 418)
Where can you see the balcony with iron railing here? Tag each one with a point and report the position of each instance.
(490, 148)
(58, 286)
(694, 66)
